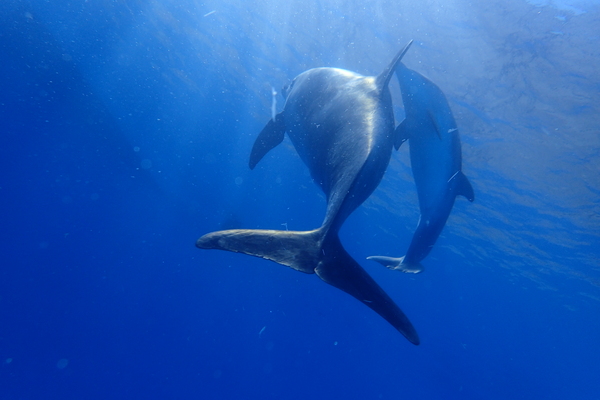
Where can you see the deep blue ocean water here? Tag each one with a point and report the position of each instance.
(125, 131)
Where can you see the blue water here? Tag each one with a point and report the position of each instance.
(125, 131)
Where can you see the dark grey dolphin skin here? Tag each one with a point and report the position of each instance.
(435, 157)
(342, 126)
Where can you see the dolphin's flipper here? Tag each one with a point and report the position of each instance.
(298, 250)
(271, 135)
(396, 264)
(340, 270)
(463, 186)
(437, 124)
(401, 134)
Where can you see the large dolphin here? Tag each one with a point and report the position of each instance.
(342, 126)
(436, 161)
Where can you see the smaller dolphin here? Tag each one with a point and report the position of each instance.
(435, 157)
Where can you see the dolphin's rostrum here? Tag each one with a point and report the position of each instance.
(342, 126)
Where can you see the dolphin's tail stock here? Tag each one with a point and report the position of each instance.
(310, 252)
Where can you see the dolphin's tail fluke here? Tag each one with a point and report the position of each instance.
(310, 252)
(298, 250)
(397, 264)
(339, 269)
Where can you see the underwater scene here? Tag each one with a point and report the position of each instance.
(320, 199)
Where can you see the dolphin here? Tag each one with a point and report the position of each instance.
(436, 161)
(342, 126)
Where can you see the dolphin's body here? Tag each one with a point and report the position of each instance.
(435, 157)
(342, 126)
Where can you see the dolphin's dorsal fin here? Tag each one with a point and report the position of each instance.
(267, 139)
(384, 78)
(463, 186)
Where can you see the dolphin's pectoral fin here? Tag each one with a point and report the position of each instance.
(463, 186)
(340, 270)
(438, 127)
(401, 134)
(298, 250)
(271, 135)
(396, 264)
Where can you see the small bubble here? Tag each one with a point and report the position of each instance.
(146, 164)
(136, 149)
(239, 180)
(210, 158)
(8, 360)
(268, 368)
(62, 363)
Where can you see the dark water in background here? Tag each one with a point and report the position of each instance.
(125, 134)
